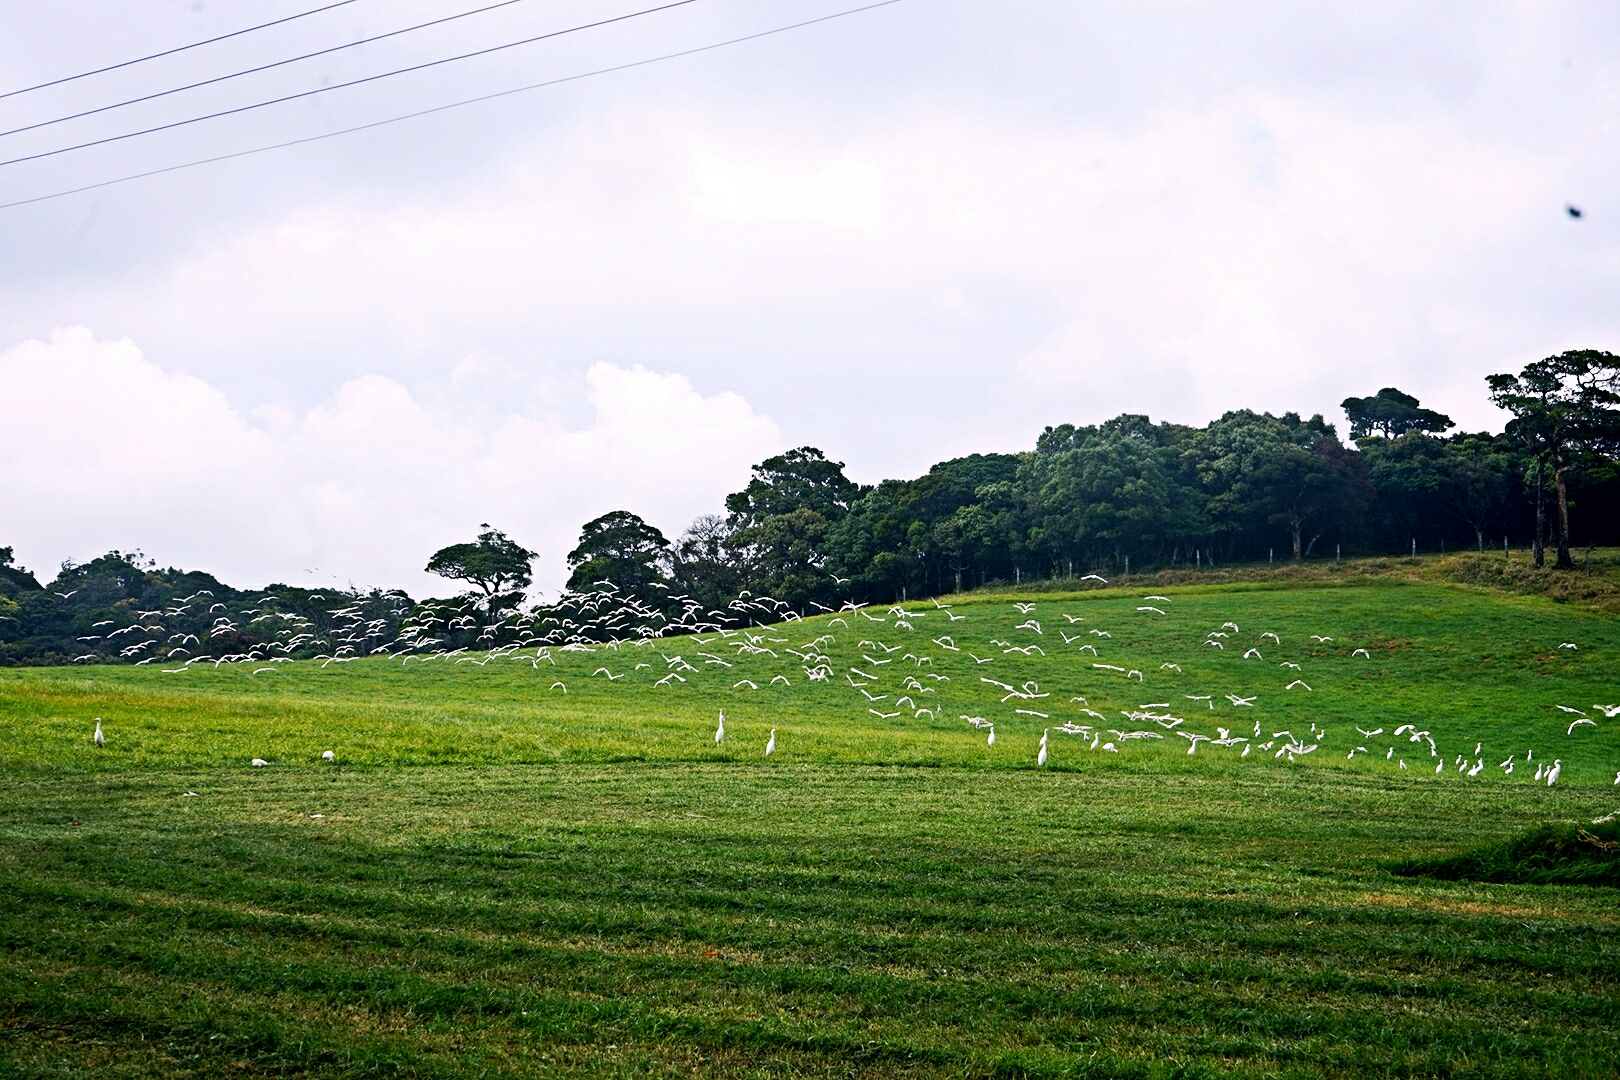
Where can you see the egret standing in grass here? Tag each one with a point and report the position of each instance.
(1552, 773)
(770, 744)
(101, 740)
(1040, 758)
(720, 732)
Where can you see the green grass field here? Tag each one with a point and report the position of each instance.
(500, 876)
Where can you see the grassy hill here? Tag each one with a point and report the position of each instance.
(529, 864)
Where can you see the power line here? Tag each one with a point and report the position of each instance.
(445, 108)
(256, 70)
(171, 52)
(344, 85)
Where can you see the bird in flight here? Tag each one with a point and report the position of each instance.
(1574, 212)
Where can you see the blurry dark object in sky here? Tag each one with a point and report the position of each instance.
(1573, 211)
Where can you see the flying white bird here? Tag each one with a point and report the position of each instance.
(1297, 682)
(1578, 723)
(1319, 638)
(1567, 709)
(1166, 599)
(1362, 652)
(1173, 667)
(1569, 645)
(1152, 609)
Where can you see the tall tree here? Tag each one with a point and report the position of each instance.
(707, 566)
(1566, 412)
(1392, 414)
(621, 548)
(781, 520)
(496, 565)
(1477, 471)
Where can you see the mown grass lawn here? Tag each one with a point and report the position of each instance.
(506, 879)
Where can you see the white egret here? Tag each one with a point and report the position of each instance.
(100, 739)
(770, 744)
(720, 731)
(258, 763)
(1040, 758)
(1552, 773)
(328, 756)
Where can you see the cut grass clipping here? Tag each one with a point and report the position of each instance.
(1557, 854)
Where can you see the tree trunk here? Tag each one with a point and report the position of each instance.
(1541, 516)
(1564, 561)
(1294, 526)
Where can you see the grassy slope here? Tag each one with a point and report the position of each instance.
(702, 911)
(1469, 667)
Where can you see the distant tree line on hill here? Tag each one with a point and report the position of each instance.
(1133, 494)
(801, 537)
(123, 608)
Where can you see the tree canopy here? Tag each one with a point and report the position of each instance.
(621, 548)
(496, 565)
(1566, 412)
(1391, 414)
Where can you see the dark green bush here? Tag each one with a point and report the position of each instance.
(1557, 854)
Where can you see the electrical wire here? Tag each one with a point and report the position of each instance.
(171, 52)
(256, 70)
(452, 105)
(344, 85)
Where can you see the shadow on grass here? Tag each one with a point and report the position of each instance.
(1561, 854)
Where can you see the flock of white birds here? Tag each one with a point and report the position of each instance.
(934, 674)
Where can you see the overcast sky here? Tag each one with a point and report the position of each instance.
(901, 236)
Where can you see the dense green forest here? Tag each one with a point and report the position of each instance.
(1124, 495)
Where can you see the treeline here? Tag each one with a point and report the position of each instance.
(1133, 495)
(121, 608)
(1126, 495)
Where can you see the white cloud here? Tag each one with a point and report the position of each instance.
(1247, 249)
(101, 448)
